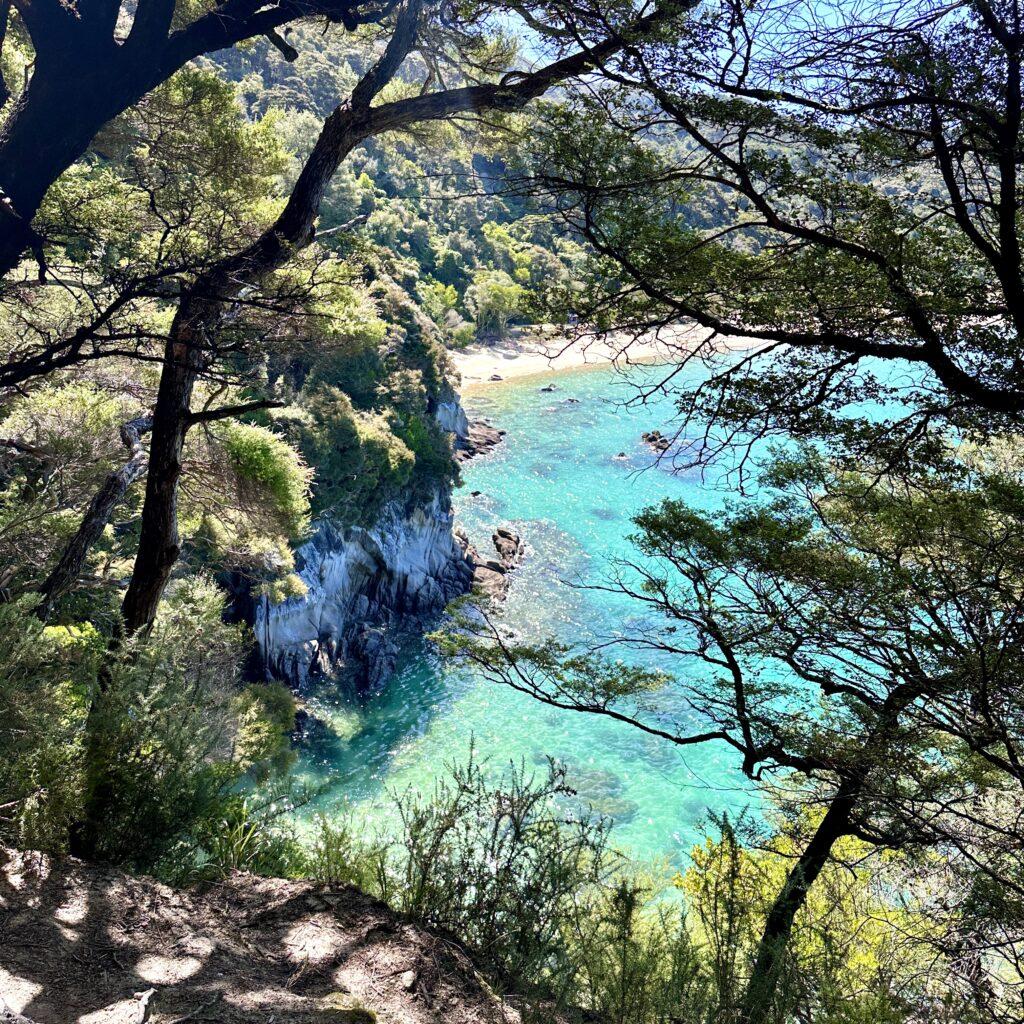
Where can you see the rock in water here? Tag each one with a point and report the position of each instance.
(509, 546)
(656, 441)
(479, 438)
(492, 577)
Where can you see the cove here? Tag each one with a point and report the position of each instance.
(558, 479)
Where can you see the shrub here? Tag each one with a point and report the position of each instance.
(131, 754)
(463, 335)
(498, 863)
(552, 913)
(268, 467)
(361, 464)
(338, 856)
(246, 836)
(46, 676)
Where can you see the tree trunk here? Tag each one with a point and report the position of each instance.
(77, 86)
(764, 978)
(192, 340)
(85, 835)
(159, 545)
(760, 993)
(68, 569)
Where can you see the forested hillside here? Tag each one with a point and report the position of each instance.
(433, 206)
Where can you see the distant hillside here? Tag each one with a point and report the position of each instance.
(431, 208)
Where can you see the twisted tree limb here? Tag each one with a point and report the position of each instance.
(66, 573)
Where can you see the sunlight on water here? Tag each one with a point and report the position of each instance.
(559, 480)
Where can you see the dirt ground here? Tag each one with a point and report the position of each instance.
(95, 946)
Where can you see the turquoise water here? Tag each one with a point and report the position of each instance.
(557, 479)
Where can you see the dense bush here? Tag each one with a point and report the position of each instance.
(361, 463)
(502, 864)
(144, 745)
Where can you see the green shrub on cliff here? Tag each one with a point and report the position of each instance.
(266, 469)
(361, 462)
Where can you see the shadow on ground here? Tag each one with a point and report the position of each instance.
(95, 946)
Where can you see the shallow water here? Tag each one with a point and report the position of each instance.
(559, 481)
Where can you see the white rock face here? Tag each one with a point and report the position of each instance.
(453, 418)
(362, 583)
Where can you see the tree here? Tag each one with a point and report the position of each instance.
(90, 63)
(192, 339)
(494, 299)
(861, 634)
(175, 248)
(836, 183)
(183, 178)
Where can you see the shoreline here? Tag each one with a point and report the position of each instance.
(480, 365)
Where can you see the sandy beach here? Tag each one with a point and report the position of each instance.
(529, 355)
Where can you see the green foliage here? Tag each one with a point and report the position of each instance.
(262, 462)
(438, 300)
(494, 299)
(71, 441)
(264, 716)
(158, 735)
(339, 855)
(182, 180)
(244, 835)
(855, 954)
(46, 676)
(283, 588)
(551, 912)
(157, 731)
(361, 463)
(246, 497)
(498, 863)
(432, 449)
(636, 961)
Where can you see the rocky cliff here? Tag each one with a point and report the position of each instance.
(363, 584)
